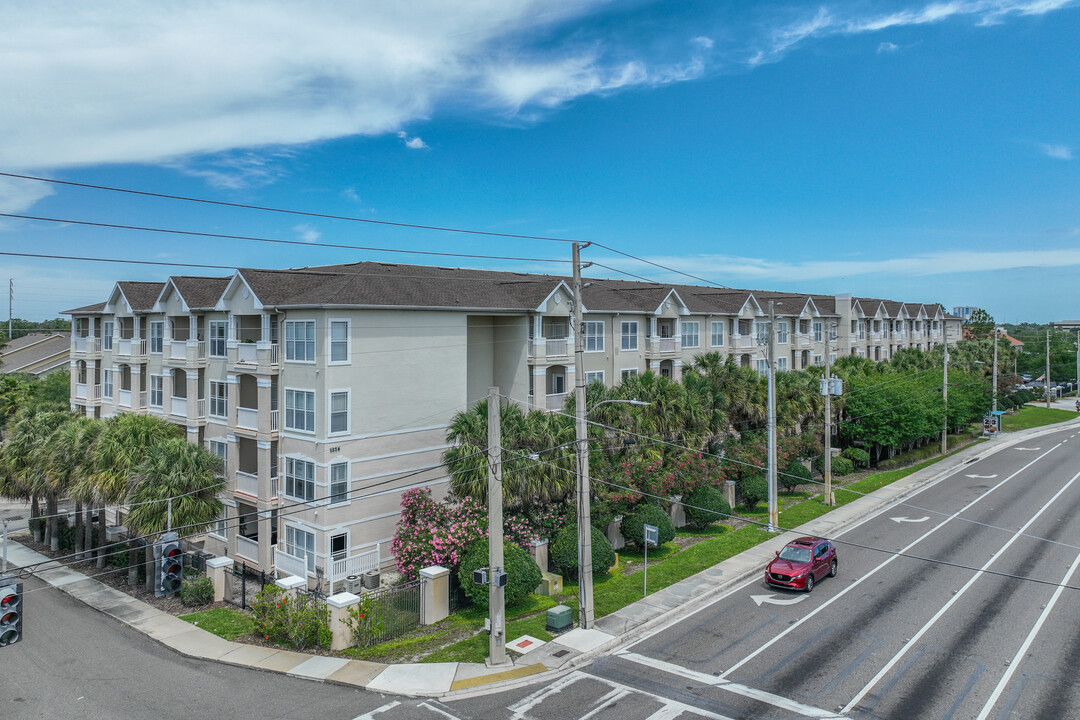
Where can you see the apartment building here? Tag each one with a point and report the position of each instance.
(327, 390)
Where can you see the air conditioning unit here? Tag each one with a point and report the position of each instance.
(372, 580)
(353, 584)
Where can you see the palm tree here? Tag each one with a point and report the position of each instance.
(69, 460)
(26, 473)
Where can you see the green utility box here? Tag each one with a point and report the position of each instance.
(550, 584)
(559, 618)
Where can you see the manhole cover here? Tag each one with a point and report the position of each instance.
(561, 653)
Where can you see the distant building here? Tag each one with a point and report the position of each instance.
(964, 312)
(1066, 325)
(37, 354)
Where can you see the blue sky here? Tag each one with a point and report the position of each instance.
(915, 151)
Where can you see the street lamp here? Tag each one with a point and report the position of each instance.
(586, 613)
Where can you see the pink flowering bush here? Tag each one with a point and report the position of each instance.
(433, 533)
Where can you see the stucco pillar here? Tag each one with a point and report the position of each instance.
(339, 619)
(728, 488)
(263, 386)
(219, 570)
(434, 594)
(538, 549)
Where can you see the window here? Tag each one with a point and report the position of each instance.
(339, 341)
(339, 412)
(629, 373)
(300, 410)
(818, 335)
(819, 359)
(781, 364)
(832, 358)
(629, 335)
(300, 341)
(594, 336)
(762, 366)
(157, 336)
(221, 450)
(107, 383)
(339, 546)
(219, 398)
(339, 483)
(300, 479)
(781, 331)
(716, 332)
(862, 329)
(762, 332)
(591, 377)
(157, 390)
(106, 334)
(691, 334)
(221, 525)
(301, 544)
(217, 338)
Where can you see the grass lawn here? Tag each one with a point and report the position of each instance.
(223, 622)
(1031, 416)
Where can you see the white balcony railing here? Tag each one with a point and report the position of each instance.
(142, 398)
(123, 398)
(744, 341)
(556, 348)
(355, 565)
(131, 347)
(274, 414)
(80, 391)
(247, 353)
(286, 564)
(247, 483)
(247, 418)
(87, 344)
(247, 548)
(179, 406)
(802, 341)
(665, 345)
(555, 401)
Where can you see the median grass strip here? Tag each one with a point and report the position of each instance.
(1032, 416)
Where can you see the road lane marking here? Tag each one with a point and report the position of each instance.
(720, 683)
(606, 701)
(770, 599)
(1020, 448)
(437, 711)
(1019, 656)
(791, 628)
(907, 519)
(527, 703)
(986, 477)
(376, 711)
(953, 600)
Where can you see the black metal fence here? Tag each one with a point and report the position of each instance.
(391, 612)
(251, 581)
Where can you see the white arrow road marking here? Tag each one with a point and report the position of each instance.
(1027, 448)
(376, 711)
(907, 519)
(770, 599)
(989, 477)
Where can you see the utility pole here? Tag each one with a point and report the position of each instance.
(996, 363)
(496, 593)
(1046, 387)
(1077, 365)
(10, 301)
(828, 419)
(945, 391)
(774, 514)
(584, 520)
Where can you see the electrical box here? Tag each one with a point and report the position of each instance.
(550, 584)
(559, 618)
(498, 578)
(479, 576)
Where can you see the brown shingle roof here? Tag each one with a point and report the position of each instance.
(141, 295)
(200, 293)
(94, 309)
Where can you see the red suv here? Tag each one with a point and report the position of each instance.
(801, 563)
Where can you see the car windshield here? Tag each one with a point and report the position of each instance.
(795, 554)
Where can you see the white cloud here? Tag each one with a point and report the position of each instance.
(17, 195)
(1059, 152)
(306, 233)
(735, 269)
(887, 47)
(415, 142)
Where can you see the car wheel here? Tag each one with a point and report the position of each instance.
(832, 569)
(810, 582)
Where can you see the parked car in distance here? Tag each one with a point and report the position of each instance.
(801, 563)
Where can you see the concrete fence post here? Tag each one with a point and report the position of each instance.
(729, 492)
(339, 619)
(219, 570)
(539, 551)
(434, 594)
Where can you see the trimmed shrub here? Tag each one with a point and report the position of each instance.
(794, 475)
(858, 456)
(564, 552)
(522, 573)
(196, 590)
(632, 526)
(294, 619)
(842, 466)
(705, 506)
(752, 490)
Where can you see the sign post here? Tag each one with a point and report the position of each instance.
(652, 534)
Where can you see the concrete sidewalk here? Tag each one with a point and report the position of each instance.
(571, 649)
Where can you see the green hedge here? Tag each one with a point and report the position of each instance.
(752, 490)
(858, 456)
(705, 506)
(794, 475)
(523, 575)
(632, 526)
(564, 552)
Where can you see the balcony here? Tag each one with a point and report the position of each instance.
(556, 401)
(87, 345)
(87, 392)
(247, 418)
(744, 342)
(662, 346)
(123, 398)
(131, 348)
(247, 483)
(186, 352)
(261, 354)
(179, 407)
(247, 548)
(801, 341)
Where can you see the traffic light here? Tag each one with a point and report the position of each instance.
(11, 611)
(169, 554)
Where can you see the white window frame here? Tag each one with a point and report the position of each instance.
(593, 335)
(832, 358)
(159, 391)
(292, 343)
(594, 376)
(330, 412)
(629, 335)
(107, 383)
(294, 482)
(762, 366)
(220, 527)
(292, 411)
(219, 399)
(330, 546)
(819, 331)
(157, 336)
(216, 341)
(107, 331)
(716, 333)
(781, 364)
(691, 334)
(342, 344)
(782, 332)
(335, 483)
(628, 373)
(302, 547)
(818, 360)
